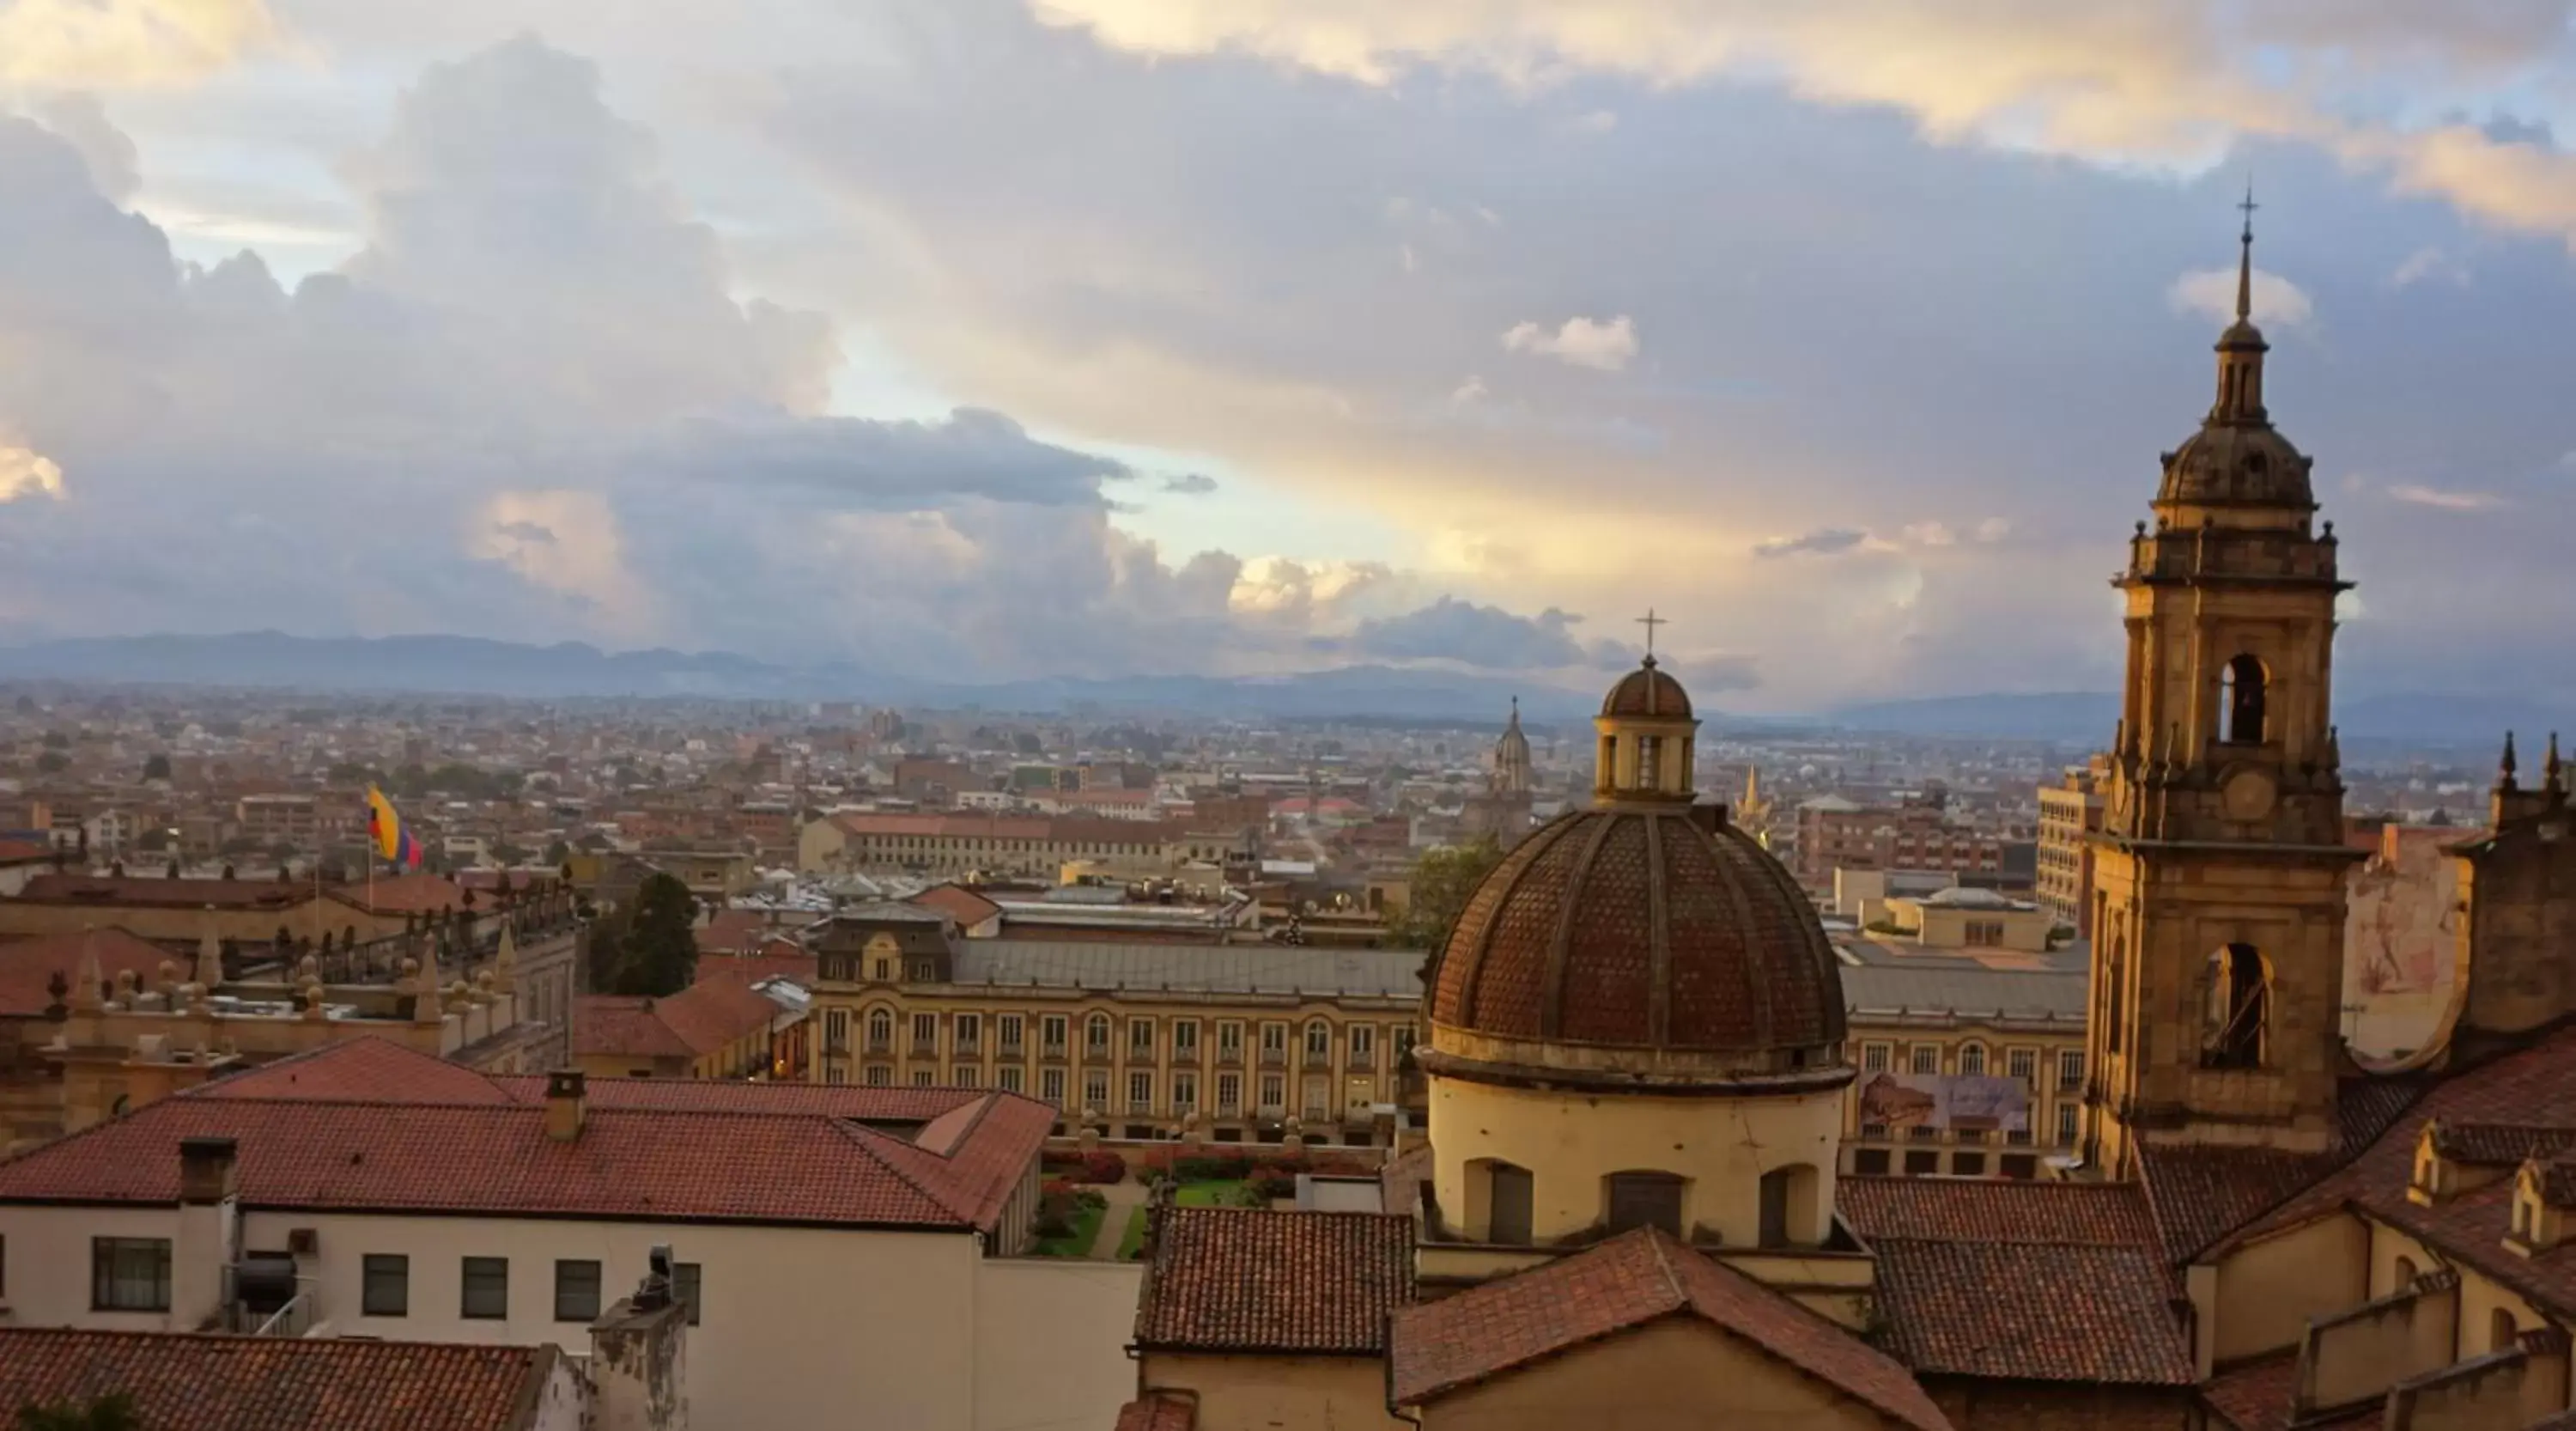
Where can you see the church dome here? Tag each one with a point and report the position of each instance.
(1645, 929)
(1647, 691)
(2233, 464)
(1645, 939)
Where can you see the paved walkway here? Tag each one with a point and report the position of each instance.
(1124, 1199)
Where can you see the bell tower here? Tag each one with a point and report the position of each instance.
(2218, 915)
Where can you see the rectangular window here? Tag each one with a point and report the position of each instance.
(1922, 1162)
(1229, 1094)
(1274, 1042)
(1968, 1165)
(966, 1075)
(2067, 1113)
(1185, 1092)
(1873, 1057)
(1140, 1092)
(1873, 1130)
(879, 1075)
(1140, 1038)
(1229, 1040)
(1274, 1093)
(1927, 1058)
(1185, 1038)
(2023, 1063)
(2020, 1165)
(1403, 1039)
(1972, 1060)
(836, 1031)
(487, 1289)
(2070, 1068)
(923, 1078)
(970, 1032)
(576, 1290)
(1010, 1078)
(1051, 1086)
(1011, 1025)
(1363, 1042)
(1095, 1088)
(688, 1286)
(1051, 1033)
(384, 1285)
(925, 1033)
(129, 1274)
(1870, 1162)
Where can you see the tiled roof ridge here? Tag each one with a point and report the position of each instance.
(2050, 1234)
(234, 1341)
(863, 1138)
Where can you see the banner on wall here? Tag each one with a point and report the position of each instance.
(1958, 1102)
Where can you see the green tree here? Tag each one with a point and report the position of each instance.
(1442, 881)
(649, 946)
(157, 768)
(112, 1412)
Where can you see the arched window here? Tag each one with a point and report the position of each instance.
(2404, 1273)
(1095, 1034)
(1789, 1207)
(2238, 1021)
(2501, 1330)
(2240, 702)
(1319, 1040)
(880, 1029)
(1972, 1059)
(1508, 1200)
(1645, 1200)
(2113, 977)
(1650, 754)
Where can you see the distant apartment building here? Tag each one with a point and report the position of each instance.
(1964, 1071)
(1835, 833)
(946, 846)
(2070, 812)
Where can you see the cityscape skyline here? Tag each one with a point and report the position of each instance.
(648, 338)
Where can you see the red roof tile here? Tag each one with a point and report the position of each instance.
(1243, 1280)
(742, 931)
(112, 890)
(699, 1020)
(25, 852)
(2201, 1195)
(2033, 1281)
(212, 1383)
(1627, 1282)
(2258, 1395)
(1159, 1411)
(630, 1162)
(360, 1070)
(28, 966)
(778, 959)
(961, 904)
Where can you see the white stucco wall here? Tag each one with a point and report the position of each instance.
(800, 1327)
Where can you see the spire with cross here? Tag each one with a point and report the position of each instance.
(2245, 257)
(1650, 621)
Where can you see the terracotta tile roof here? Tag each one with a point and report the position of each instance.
(1635, 1278)
(2202, 1195)
(212, 1383)
(645, 1160)
(110, 890)
(2558, 1183)
(1093, 829)
(417, 893)
(29, 965)
(699, 1020)
(876, 1106)
(25, 852)
(2498, 1145)
(744, 931)
(1241, 1280)
(2258, 1396)
(370, 1069)
(958, 903)
(2534, 1087)
(2026, 1280)
(778, 960)
(1159, 1411)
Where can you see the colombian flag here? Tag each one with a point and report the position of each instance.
(385, 829)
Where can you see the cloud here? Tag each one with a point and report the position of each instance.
(2445, 498)
(99, 44)
(1824, 541)
(1583, 342)
(81, 120)
(1190, 484)
(1708, 675)
(1597, 121)
(1463, 631)
(2211, 293)
(1471, 391)
(2171, 84)
(26, 473)
(2429, 264)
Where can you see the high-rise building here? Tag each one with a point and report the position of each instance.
(2070, 814)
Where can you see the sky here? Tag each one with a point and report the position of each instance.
(986, 339)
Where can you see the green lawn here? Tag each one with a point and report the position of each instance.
(1212, 1194)
(1077, 1243)
(1132, 1242)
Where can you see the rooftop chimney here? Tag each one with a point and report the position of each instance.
(209, 1233)
(639, 1357)
(567, 1095)
(206, 1169)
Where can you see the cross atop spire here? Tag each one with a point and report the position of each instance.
(2245, 257)
(1650, 621)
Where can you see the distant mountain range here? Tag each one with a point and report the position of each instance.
(463, 665)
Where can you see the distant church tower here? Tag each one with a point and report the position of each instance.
(1502, 811)
(2219, 873)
